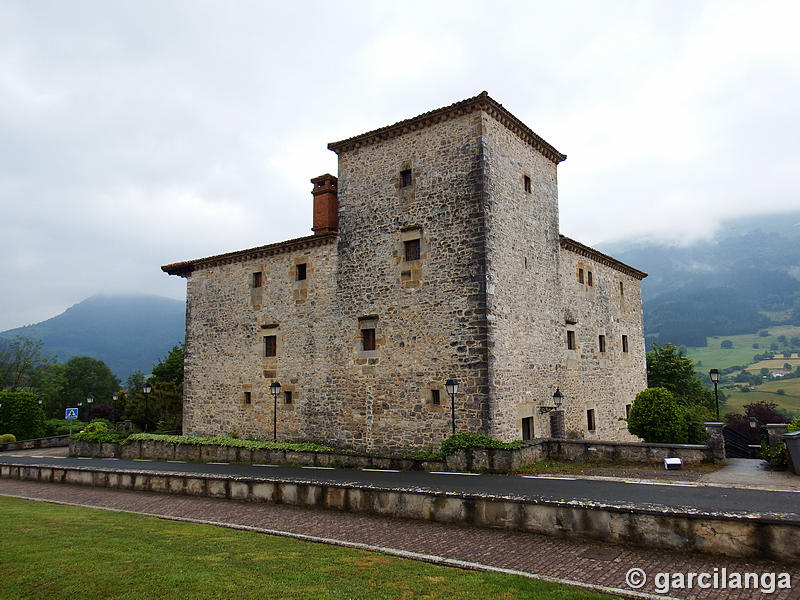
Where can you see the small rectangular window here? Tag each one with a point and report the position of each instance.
(412, 250)
(580, 275)
(367, 339)
(571, 340)
(270, 345)
(248, 397)
(287, 397)
(621, 289)
(590, 424)
(405, 178)
(624, 343)
(257, 279)
(435, 400)
(627, 411)
(527, 184)
(301, 272)
(602, 343)
(589, 278)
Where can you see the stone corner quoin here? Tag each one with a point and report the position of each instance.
(436, 254)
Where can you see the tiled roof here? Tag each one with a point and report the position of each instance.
(480, 102)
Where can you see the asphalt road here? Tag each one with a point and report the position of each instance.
(680, 497)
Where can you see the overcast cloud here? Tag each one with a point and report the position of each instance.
(134, 134)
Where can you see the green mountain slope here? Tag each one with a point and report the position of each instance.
(128, 333)
(743, 279)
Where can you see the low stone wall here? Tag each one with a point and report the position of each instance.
(159, 450)
(506, 461)
(473, 459)
(55, 441)
(737, 536)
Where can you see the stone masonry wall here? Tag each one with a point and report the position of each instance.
(227, 320)
(603, 381)
(523, 285)
(429, 314)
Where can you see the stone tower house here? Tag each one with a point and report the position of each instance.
(436, 254)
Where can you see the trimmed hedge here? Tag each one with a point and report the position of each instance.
(464, 441)
(224, 440)
(21, 414)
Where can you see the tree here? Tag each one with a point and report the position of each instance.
(726, 344)
(656, 417)
(50, 382)
(20, 359)
(669, 368)
(170, 368)
(21, 414)
(85, 375)
(135, 382)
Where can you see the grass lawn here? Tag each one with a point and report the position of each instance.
(52, 551)
(712, 356)
(789, 401)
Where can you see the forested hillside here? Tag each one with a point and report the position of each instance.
(744, 278)
(127, 332)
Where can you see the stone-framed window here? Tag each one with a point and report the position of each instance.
(621, 289)
(257, 280)
(526, 183)
(270, 345)
(287, 397)
(300, 272)
(411, 250)
(580, 275)
(591, 424)
(589, 279)
(601, 343)
(624, 343)
(405, 178)
(571, 343)
(248, 397)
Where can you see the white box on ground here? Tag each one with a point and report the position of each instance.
(671, 464)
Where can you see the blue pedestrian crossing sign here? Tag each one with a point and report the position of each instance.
(72, 413)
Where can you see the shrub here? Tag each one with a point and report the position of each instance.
(462, 441)
(21, 414)
(656, 417)
(7, 438)
(98, 432)
(61, 426)
(794, 425)
(223, 440)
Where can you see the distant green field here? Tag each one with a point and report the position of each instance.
(776, 364)
(714, 357)
(767, 392)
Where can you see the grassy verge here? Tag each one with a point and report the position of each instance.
(52, 552)
(614, 468)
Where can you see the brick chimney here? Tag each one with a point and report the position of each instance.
(326, 205)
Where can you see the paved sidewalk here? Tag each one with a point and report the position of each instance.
(586, 562)
(753, 474)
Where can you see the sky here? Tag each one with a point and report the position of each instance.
(136, 134)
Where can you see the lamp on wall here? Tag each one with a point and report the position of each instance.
(558, 398)
(451, 385)
(275, 389)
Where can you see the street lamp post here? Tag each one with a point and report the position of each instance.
(146, 391)
(714, 375)
(451, 385)
(275, 389)
(89, 400)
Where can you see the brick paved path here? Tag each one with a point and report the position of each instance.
(586, 562)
